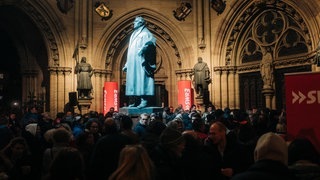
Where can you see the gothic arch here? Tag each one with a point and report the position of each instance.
(49, 25)
(170, 53)
(277, 18)
(117, 33)
(45, 58)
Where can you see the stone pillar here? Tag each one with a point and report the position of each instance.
(53, 92)
(224, 89)
(217, 86)
(60, 91)
(268, 93)
(237, 90)
(231, 82)
(84, 105)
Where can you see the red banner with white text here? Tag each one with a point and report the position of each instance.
(110, 96)
(185, 94)
(303, 106)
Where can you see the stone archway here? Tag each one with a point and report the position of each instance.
(169, 56)
(39, 42)
(269, 34)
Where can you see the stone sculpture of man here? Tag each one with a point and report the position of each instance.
(140, 64)
(84, 72)
(201, 78)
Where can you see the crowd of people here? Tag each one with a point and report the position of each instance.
(182, 144)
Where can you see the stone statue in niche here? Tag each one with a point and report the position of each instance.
(84, 72)
(266, 68)
(141, 64)
(201, 78)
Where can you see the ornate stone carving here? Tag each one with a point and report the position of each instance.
(152, 27)
(279, 26)
(56, 70)
(45, 28)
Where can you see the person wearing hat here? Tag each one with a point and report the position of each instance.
(271, 160)
(167, 155)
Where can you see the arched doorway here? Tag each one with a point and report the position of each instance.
(25, 59)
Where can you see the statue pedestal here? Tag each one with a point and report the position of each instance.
(84, 105)
(200, 104)
(134, 111)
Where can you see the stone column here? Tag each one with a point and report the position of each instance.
(53, 92)
(224, 89)
(231, 81)
(60, 91)
(268, 93)
(237, 90)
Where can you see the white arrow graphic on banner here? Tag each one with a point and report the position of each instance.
(301, 97)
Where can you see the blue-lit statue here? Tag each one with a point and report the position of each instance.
(141, 63)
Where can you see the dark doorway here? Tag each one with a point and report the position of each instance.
(251, 91)
(10, 76)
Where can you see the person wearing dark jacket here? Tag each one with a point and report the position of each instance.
(105, 155)
(271, 160)
(167, 155)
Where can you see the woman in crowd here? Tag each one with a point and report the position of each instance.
(134, 163)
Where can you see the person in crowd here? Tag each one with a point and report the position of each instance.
(167, 115)
(35, 142)
(152, 136)
(85, 144)
(126, 124)
(208, 116)
(134, 163)
(167, 155)
(93, 126)
(224, 150)
(61, 138)
(196, 162)
(5, 133)
(271, 160)
(105, 155)
(17, 160)
(45, 123)
(14, 124)
(68, 164)
(141, 63)
(304, 159)
(32, 116)
(198, 126)
(178, 109)
(177, 124)
(110, 113)
(140, 127)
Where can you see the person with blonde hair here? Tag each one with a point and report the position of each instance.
(134, 163)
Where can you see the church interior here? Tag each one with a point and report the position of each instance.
(249, 46)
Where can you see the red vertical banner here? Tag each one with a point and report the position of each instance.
(110, 96)
(185, 95)
(303, 105)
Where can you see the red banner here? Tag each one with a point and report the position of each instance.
(185, 95)
(110, 96)
(303, 106)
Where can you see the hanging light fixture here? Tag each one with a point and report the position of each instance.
(182, 11)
